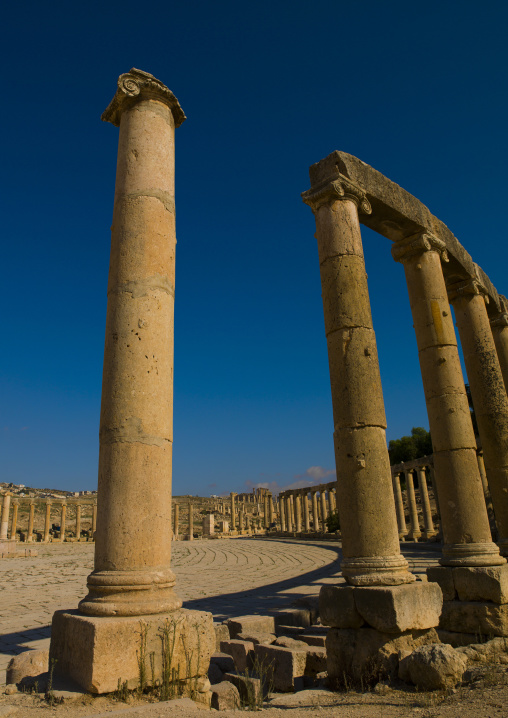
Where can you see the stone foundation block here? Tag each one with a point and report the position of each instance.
(482, 619)
(363, 655)
(97, 652)
(434, 667)
(316, 661)
(313, 640)
(337, 607)
(456, 639)
(443, 576)
(221, 634)
(242, 653)
(395, 609)
(250, 689)
(250, 624)
(482, 583)
(225, 697)
(285, 667)
(391, 609)
(224, 661)
(215, 675)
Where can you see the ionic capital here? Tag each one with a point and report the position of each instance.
(341, 188)
(470, 286)
(417, 244)
(137, 85)
(500, 321)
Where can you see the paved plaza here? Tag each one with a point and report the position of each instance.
(229, 577)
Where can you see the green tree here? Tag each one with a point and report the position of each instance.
(411, 447)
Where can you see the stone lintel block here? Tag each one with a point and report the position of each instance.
(443, 576)
(337, 607)
(476, 617)
(242, 653)
(395, 609)
(482, 583)
(96, 652)
(250, 624)
(285, 666)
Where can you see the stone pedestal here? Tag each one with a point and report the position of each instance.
(99, 652)
(208, 525)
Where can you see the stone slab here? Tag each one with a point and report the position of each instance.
(97, 652)
(242, 653)
(480, 618)
(395, 609)
(443, 576)
(225, 696)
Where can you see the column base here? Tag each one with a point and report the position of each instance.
(471, 554)
(130, 593)
(390, 609)
(376, 571)
(363, 656)
(99, 652)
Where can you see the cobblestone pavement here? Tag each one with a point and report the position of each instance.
(229, 577)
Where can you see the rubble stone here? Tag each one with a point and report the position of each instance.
(285, 666)
(433, 667)
(250, 624)
(225, 696)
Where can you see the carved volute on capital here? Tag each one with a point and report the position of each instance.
(417, 244)
(338, 189)
(137, 85)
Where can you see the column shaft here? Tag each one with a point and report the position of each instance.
(298, 511)
(31, 516)
(427, 511)
(62, 521)
(500, 333)
(415, 532)
(306, 517)
(47, 521)
(4, 521)
(467, 539)
(323, 511)
(488, 393)
(78, 521)
(315, 518)
(370, 540)
(399, 506)
(14, 522)
(282, 512)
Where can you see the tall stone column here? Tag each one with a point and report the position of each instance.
(270, 509)
(298, 513)
(467, 539)
(78, 522)
(94, 519)
(289, 513)
(315, 517)
(370, 539)
(499, 326)
(265, 518)
(427, 511)
(31, 516)
(132, 574)
(306, 517)
(323, 509)
(176, 520)
(486, 491)
(191, 521)
(415, 532)
(14, 521)
(399, 506)
(331, 498)
(488, 392)
(47, 521)
(63, 516)
(233, 511)
(241, 520)
(282, 511)
(4, 521)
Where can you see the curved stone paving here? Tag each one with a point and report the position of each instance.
(225, 576)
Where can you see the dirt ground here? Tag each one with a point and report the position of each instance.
(487, 697)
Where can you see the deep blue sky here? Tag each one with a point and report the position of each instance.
(416, 89)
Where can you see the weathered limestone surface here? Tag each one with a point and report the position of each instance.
(479, 617)
(433, 667)
(286, 666)
(97, 651)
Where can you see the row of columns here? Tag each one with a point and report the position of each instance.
(414, 532)
(295, 513)
(4, 522)
(370, 533)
